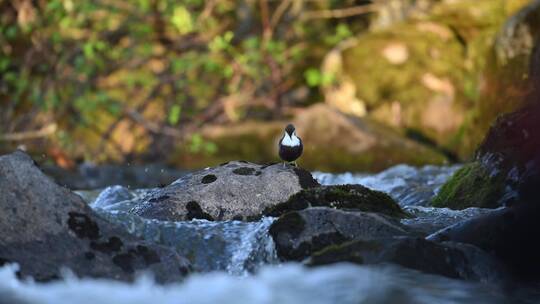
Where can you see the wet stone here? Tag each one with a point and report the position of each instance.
(237, 190)
(244, 171)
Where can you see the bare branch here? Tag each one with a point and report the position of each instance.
(26, 135)
(340, 13)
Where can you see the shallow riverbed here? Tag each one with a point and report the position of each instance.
(237, 262)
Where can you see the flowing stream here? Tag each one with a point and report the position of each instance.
(236, 261)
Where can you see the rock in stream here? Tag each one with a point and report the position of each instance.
(46, 227)
(233, 191)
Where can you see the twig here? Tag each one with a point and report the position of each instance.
(154, 127)
(265, 20)
(340, 13)
(280, 10)
(26, 135)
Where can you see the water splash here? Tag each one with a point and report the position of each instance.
(291, 283)
(406, 184)
(427, 220)
(235, 246)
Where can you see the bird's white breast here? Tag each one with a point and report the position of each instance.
(290, 141)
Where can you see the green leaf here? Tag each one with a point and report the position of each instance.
(181, 19)
(210, 148)
(88, 50)
(251, 43)
(313, 77)
(4, 63)
(174, 114)
(228, 71)
(196, 143)
(11, 32)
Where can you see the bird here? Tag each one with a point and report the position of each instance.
(290, 145)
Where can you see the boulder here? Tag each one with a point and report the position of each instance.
(509, 234)
(471, 186)
(511, 71)
(334, 141)
(347, 197)
(298, 234)
(507, 166)
(447, 259)
(236, 190)
(426, 74)
(46, 227)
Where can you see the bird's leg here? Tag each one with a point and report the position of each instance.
(295, 164)
(284, 163)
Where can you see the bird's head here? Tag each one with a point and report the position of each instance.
(289, 129)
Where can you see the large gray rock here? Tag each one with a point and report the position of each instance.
(235, 190)
(448, 259)
(298, 234)
(509, 234)
(46, 227)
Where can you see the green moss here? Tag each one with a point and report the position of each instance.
(452, 43)
(470, 186)
(290, 223)
(351, 251)
(348, 197)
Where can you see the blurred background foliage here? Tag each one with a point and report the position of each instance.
(140, 80)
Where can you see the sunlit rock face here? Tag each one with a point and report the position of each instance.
(510, 72)
(46, 227)
(233, 191)
(506, 166)
(334, 141)
(435, 73)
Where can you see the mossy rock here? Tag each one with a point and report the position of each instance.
(346, 197)
(336, 142)
(427, 73)
(447, 259)
(471, 186)
(298, 234)
(508, 74)
(338, 253)
(333, 142)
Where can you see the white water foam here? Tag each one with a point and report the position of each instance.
(408, 185)
(291, 283)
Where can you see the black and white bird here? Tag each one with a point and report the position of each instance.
(290, 145)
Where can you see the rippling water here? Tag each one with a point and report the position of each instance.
(238, 264)
(406, 184)
(290, 283)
